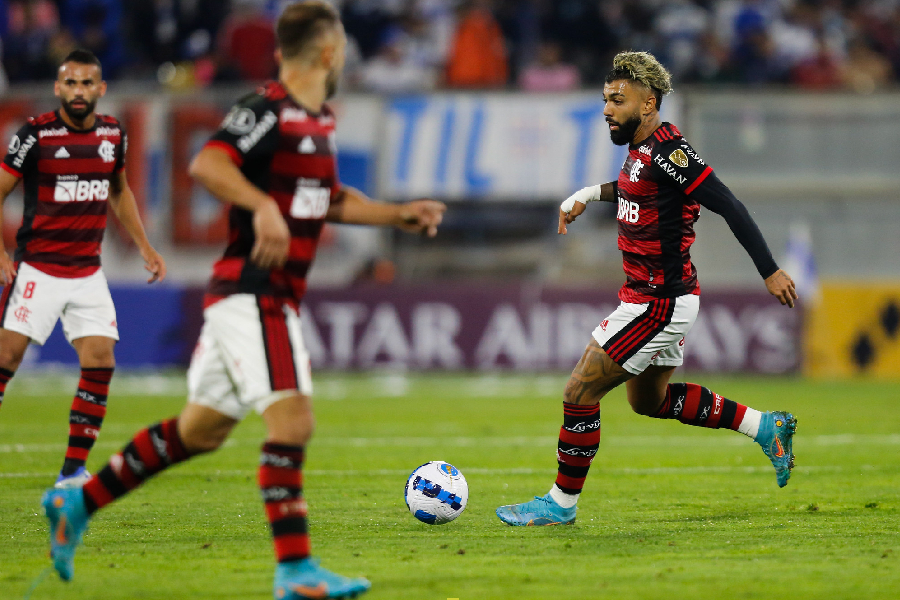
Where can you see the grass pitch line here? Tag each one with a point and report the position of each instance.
(519, 471)
(702, 441)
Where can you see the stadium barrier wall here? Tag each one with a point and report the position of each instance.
(452, 327)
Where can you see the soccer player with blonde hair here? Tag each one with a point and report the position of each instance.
(660, 191)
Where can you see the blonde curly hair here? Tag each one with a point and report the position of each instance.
(643, 68)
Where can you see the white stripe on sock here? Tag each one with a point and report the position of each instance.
(750, 423)
(563, 499)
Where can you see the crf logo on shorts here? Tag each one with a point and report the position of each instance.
(81, 191)
(628, 211)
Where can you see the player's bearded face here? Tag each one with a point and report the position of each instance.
(78, 88)
(623, 132)
(622, 110)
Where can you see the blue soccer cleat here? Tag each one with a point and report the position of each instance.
(543, 510)
(775, 435)
(68, 521)
(75, 480)
(306, 580)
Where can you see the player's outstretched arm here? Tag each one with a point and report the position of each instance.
(7, 267)
(214, 169)
(782, 287)
(575, 204)
(122, 201)
(418, 216)
(715, 195)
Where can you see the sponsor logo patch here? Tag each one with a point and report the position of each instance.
(81, 191)
(668, 168)
(246, 143)
(239, 121)
(678, 157)
(23, 150)
(53, 132)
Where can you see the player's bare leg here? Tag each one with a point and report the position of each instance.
(202, 429)
(290, 425)
(647, 391)
(593, 377)
(12, 349)
(97, 358)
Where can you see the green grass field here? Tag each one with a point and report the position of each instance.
(669, 511)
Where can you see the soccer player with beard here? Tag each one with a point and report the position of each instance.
(273, 161)
(660, 190)
(72, 166)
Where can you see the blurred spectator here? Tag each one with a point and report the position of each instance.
(396, 69)
(821, 71)
(549, 73)
(366, 22)
(754, 58)
(473, 43)
(586, 38)
(31, 25)
(478, 54)
(865, 70)
(680, 25)
(248, 42)
(98, 27)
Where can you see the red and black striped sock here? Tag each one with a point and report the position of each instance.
(149, 452)
(86, 416)
(694, 404)
(5, 376)
(281, 484)
(579, 438)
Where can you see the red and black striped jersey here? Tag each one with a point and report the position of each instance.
(67, 174)
(660, 190)
(656, 216)
(288, 152)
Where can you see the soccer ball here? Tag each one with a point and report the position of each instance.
(436, 493)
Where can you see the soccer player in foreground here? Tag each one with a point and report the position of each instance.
(273, 161)
(72, 165)
(660, 190)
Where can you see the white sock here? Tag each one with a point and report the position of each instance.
(750, 423)
(563, 499)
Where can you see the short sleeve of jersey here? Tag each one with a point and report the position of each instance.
(250, 129)
(680, 165)
(123, 150)
(22, 152)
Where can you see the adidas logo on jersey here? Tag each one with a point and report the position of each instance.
(307, 146)
(61, 153)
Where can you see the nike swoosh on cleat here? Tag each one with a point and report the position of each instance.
(320, 591)
(60, 533)
(780, 452)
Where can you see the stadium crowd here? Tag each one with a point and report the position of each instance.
(419, 45)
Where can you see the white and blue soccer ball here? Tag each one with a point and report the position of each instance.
(436, 493)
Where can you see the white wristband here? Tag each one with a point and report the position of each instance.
(584, 195)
